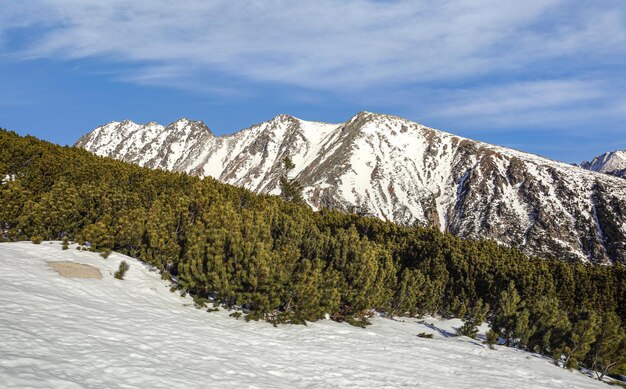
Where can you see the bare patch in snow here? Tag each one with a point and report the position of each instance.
(75, 270)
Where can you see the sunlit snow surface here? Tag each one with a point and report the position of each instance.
(70, 333)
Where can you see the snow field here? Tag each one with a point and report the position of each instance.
(73, 333)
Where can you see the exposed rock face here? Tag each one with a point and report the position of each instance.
(613, 163)
(401, 171)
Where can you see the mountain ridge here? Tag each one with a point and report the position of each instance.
(398, 170)
(612, 163)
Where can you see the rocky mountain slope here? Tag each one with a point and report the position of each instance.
(613, 163)
(398, 170)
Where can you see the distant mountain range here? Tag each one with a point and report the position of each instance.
(613, 163)
(402, 171)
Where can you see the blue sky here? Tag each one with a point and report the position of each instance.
(544, 76)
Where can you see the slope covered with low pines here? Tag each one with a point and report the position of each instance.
(280, 261)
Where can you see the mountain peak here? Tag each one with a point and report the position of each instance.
(379, 118)
(181, 120)
(613, 162)
(184, 124)
(127, 121)
(362, 115)
(283, 117)
(402, 171)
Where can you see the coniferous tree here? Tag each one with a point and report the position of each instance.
(474, 317)
(608, 352)
(408, 293)
(60, 207)
(491, 338)
(290, 189)
(192, 270)
(356, 260)
(550, 327)
(523, 328)
(511, 320)
(129, 230)
(583, 334)
(121, 271)
(305, 299)
(98, 235)
(162, 228)
(14, 197)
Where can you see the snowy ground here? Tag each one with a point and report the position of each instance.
(59, 332)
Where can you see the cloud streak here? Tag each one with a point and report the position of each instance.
(523, 100)
(483, 59)
(322, 44)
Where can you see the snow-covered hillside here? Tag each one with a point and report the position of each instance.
(105, 333)
(401, 171)
(613, 163)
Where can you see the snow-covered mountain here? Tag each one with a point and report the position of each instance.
(613, 163)
(107, 333)
(401, 171)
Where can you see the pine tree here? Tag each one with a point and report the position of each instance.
(192, 271)
(61, 209)
(550, 328)
(608, 352)
(458, 307)
(408, 293)
(289, 165)
(511, 320)
(31, 221)
(357, 260)
(13, 197)
(583, 334)
(475, 316)
(99, 235)
(221, 222)
(491, 338)
(290, 189)
(162, 229)
(523, 330)
(129, 230)
(121, 271)
(305, 293)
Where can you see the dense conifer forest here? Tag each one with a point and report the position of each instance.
(280, 261)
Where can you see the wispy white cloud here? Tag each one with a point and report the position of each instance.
(520, 99)
(557, 104)
(487, 61)
(322, 44)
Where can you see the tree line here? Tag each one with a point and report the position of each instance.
(280, 261)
